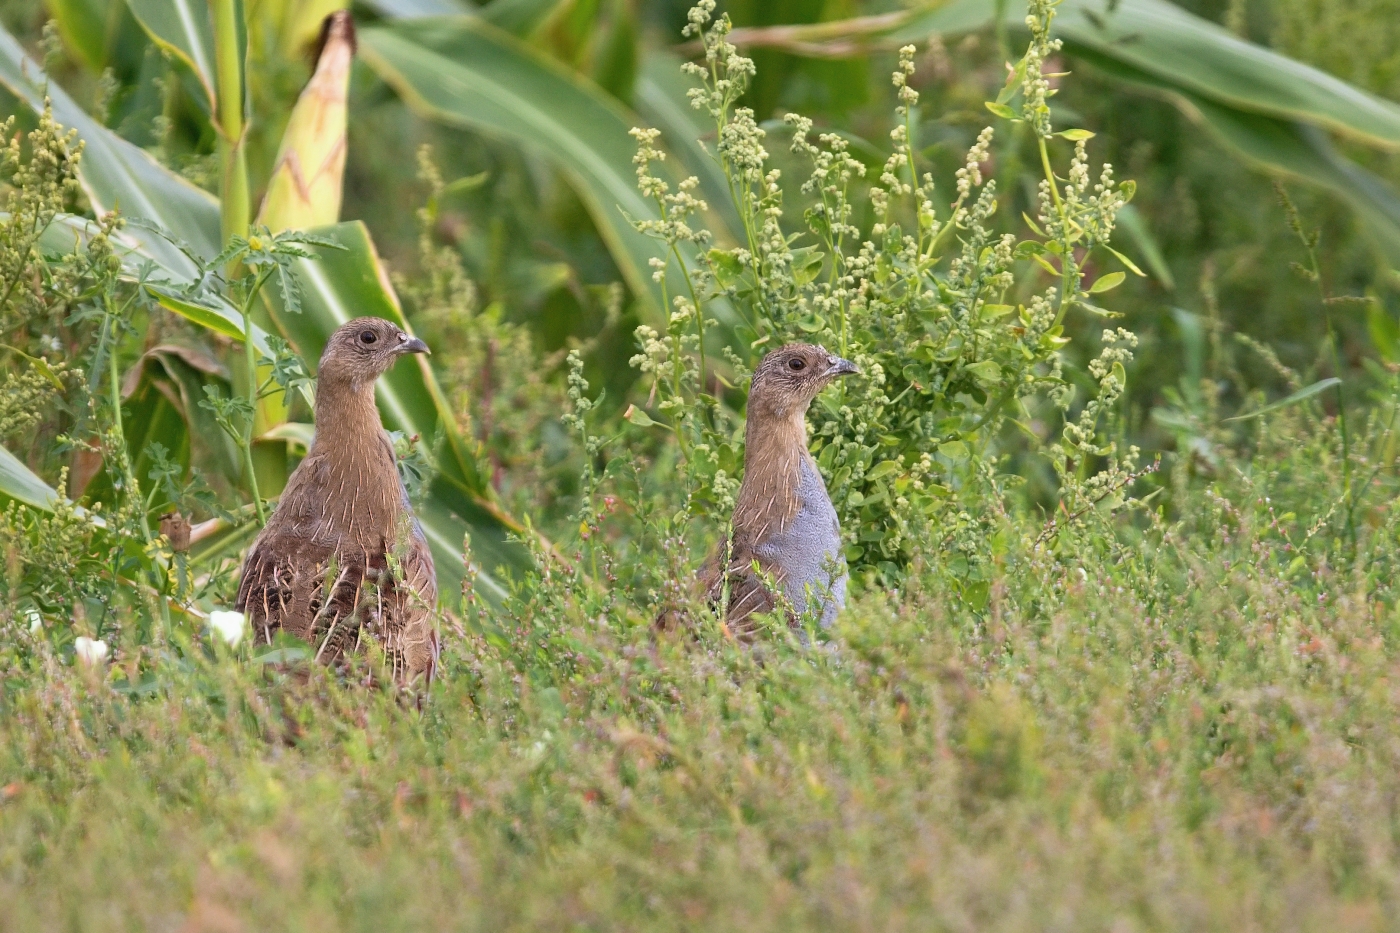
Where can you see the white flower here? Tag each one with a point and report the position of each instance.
(229, 626)
(90, 650)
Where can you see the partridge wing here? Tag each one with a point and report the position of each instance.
(413, 638)
(747, 593)
(281, 586)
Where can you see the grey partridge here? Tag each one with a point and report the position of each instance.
(343, 556)
(783, 517)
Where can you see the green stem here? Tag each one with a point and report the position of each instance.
(250, 354)
(913, 179)
(1067, 257)
(119, 452)
(1003, 39)
(233, 157)
(937, 239)
(694, 296)
(1341, 409)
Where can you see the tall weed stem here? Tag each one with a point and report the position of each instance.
(250, 355)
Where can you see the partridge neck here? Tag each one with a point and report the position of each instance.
(774, 446)
(355, 474)
(346, 414)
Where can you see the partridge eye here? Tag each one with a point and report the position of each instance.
(796, 364)
(368, 337)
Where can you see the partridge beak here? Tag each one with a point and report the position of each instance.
(414, 345)
(840, 367)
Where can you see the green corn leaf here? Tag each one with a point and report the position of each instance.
(1285, 147)
(1133, 225)
(464, 72)
(161, 393)
(18, 482)
(296, 433)
(518, 17)
(85, 26)
(182, 29)
(1268, 109)
(416, 9)
(221, 318)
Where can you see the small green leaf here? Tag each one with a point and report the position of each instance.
(728, 268)
(996, 311)
(884, 468)
(39, 363)
(953, 450)
(1107, 282)
(807, 264)
(1013, 82)
(1095, 309)
(638, 417)
(1127, 262)
(1075, 135)
(464, 184)
(1001, 110)
(986, 372)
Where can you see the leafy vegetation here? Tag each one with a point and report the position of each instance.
(1116, 482)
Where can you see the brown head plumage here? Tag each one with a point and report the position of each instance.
(343, 555)
(789, 377)
(361, 351)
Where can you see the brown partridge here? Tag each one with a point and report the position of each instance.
(343, 556)
(783, 517)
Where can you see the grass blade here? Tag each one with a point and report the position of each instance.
(1306, 392)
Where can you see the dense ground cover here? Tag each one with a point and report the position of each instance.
(1191, 728)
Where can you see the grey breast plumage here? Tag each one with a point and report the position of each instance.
(797, 549)
(807, 552)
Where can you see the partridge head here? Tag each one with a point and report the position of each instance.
(342, 557)
(783, 518)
